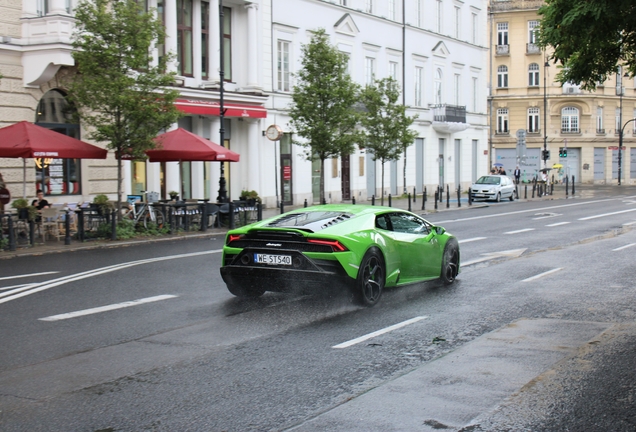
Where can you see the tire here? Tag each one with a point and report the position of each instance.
(498, 197)
(512, 196)
(371, 279)
(450, 262)
(159, 219)
(243, 292)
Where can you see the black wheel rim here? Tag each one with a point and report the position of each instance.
(373, 280)
(452, 264)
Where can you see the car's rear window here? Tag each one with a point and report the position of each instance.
(314, 220)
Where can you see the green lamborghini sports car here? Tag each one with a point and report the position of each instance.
(338, 246)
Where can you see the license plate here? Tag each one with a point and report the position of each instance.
(273, 259)
(479, 195)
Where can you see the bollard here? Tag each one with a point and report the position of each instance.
(372, 200)
(566, 186)
(12, 245)
(572, 185)
(436, 196)
(204, 216)
(552, 189)
(231, 214)
(525, 193)
(353, 200)
(259, 211)
(67, 228)
(80, 224)
(447, 197)
(282, 207)
(305, 205)
(410, 202)
(440, 193)
(389, 200)
(324, 201)
(459, 196)
(470, 196)
(113, 225)
(414, 194)
(424, 198)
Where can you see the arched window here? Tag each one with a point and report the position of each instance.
(533, 75)
(502, 76)
(58, 176)
(502, 120)
(569, 120)
(438, 87)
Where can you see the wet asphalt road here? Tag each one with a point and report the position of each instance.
(206, 361)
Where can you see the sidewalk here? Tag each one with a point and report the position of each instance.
(581, 191)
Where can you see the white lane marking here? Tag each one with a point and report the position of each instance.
(547, 217)
(513, 253)
(607, 214)
(16, 286)
(629, 223)
(522, 211)
(557, 224)
(28, 275)
(624, 247)
(472, 239)
(107, 308)
(21, 292)
(379, 332)
(519, 231)
(540, 275)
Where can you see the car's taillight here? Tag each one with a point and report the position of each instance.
(336, 246)
(233, 237)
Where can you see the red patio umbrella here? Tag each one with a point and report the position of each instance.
(180, 145)
(27, 140)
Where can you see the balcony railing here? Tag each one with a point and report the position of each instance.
(449, 113)
(534, 131)
(532, 48)
(570, 130)
(600, 131)
(503, 49)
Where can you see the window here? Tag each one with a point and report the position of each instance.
(369, 70)
(475, 94)
(438, 87)
(502, 33)
(533, 120)
(532, 32)
(393, 70)
(502, 120)
(408, 224)
(42, 7)
(457, 85)
(347, 63)
(419, 72)
(368, 6)
(569, 120)
(227, 44)
(418, 12)
(634, 122)
(474, 29)
(533, 75)
(439, 16)
(205, 29)
(599, 120)
(457, 22)
(392, 10)
(282, 66)
(184, 36)
(502, 76)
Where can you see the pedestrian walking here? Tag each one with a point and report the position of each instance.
(517, 174)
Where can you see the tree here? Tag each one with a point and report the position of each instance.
(323, 104)
(589, 38)
(386, 123)
(118, 90)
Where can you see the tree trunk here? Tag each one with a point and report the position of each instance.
(322, 181)
(382, 182)
(119, 180)
(404, 172)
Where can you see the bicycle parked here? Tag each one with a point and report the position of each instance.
(144, 212)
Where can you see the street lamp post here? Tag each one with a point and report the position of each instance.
(222, 190)
(545, 115)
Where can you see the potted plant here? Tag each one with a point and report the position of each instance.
(102, 204)
(174, 195)
(25, 211)
(250, 197)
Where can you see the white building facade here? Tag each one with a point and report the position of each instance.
(436, 49)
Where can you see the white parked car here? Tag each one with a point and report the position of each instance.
(493, 187)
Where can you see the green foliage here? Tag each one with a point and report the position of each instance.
(20, 203)
(119, 91)
(589, 38)
(323, 103)
(4, 243)
(252, 194)
(385, 122)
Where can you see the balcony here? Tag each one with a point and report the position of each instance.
(600, 131)
(503, 50)
(532, 48)
(570, 130)
(449, 118)
(509, 5)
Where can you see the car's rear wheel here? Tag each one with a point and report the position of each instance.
(450, 262)
(512, 196)
(371, 279)
(244, 292)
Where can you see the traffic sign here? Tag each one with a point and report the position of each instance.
(521, 134)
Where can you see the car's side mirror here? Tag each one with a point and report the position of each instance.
(439, 230)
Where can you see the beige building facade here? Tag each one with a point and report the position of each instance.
(526, 101)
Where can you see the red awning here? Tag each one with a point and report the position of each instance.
(211, 108)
